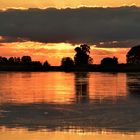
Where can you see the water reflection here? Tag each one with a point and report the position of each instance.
(61, 88)
(37, 135)
(133, 85)
(107, 87)
(31, 87)
(56, 101)
(82, 87)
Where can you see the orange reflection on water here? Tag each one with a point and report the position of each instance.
(36, 87)
(110, 85)
(60, 87)
(16, 134)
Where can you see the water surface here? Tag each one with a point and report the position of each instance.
(91, 105)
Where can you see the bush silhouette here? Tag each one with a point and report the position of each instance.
(109, 61)
(67, 62)
(26, 59)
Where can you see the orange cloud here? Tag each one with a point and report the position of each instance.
(64, 3)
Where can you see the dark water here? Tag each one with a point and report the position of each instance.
(106, 105)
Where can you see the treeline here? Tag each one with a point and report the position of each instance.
(81, 60)
(24, 63)
(24, 60)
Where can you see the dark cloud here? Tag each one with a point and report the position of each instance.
(81, 25)
(118, 44)
(9, 39)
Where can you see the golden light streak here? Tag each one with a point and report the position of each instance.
(15, 134)
(62, 91)
(4, 4)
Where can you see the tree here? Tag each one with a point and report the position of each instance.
(109, 61)
(26, 59)
(11, 60)
(46, 64)
(17, 59)
(67, 62)
(3, 59)
(82, 55)
(14, 60)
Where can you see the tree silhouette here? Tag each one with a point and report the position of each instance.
(133, 56)
(109, 61)
(67, 62)
(46, 64)
(82, 55)
(17, 59)
(14, 60)
(3, 59)
(26, 59)
(11, 60)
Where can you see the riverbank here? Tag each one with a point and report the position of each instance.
(90, 68)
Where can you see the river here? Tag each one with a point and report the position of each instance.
(59, 105)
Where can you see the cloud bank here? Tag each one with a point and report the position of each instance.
(81, 25)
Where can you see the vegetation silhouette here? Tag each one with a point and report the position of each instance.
(46, 65)
(67, 63)
(133, 56)
(26, 59)
(82, 61)
(3, 60)
(13, 60)
(82, 57)
(24, 63)
(109, 61)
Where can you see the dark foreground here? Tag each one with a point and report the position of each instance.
(117, 117)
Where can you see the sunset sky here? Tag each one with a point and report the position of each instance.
(65, 3)
(49, 30)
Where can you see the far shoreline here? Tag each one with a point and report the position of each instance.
(88, 68)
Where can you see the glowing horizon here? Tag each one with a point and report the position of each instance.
(64, 4)
(54, 52)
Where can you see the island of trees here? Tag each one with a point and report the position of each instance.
(81, 61)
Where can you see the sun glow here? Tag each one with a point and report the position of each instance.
(64, 4)
(55, 52)
(38, 51)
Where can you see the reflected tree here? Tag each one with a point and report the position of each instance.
(82, 87)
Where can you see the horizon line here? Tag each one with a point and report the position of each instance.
(67, 7)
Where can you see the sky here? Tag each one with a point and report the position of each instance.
(65, 3)
(50, 30)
